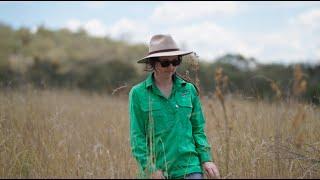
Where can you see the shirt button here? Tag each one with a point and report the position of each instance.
(177, 106)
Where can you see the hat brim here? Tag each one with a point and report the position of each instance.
(161, 54)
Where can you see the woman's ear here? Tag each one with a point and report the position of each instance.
(156, 67)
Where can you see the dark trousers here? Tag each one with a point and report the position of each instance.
(194, 176)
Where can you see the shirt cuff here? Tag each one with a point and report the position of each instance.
(205, 157)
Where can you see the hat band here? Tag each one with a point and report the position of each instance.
(165, 50)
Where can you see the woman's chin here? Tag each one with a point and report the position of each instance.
(170, 72)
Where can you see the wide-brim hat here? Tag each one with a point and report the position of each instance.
(163, 45)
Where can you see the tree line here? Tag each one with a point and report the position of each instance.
(64, 59)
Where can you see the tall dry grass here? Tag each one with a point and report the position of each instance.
(284, 146)
(71, 134)
(268, 140)
(56, 134)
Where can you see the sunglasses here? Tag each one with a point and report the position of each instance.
(167, 63)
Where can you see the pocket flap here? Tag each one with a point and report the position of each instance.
(185, 102)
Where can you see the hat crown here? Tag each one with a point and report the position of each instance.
(161, 43)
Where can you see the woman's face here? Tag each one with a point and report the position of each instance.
(165, 65)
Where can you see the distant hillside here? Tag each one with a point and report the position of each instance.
(64, 59)
(60, 46)
(238, 61)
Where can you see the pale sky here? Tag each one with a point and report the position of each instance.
(281, 32)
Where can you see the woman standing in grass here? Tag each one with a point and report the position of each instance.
(166, 120)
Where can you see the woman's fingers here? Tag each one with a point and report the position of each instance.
(210, 172)
(216, 172)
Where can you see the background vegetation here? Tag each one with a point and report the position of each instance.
(62, 59)
(64, 109)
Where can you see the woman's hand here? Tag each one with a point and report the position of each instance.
(211, 170)
(157, 175)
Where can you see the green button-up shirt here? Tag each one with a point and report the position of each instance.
(167, 133)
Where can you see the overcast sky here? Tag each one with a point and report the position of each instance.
(282, 32)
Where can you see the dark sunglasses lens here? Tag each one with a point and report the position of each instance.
(165, 63)
(176, 62)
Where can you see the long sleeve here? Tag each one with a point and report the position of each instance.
(198, 125)
(138, 139)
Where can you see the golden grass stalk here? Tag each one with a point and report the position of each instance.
(275, 88)
(299, 83)
(120, 89)
(196, 67)
(220, 79)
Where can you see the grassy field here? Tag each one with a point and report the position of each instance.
(71, 134)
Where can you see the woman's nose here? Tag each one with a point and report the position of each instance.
(171, 66)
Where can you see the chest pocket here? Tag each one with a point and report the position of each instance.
(185, 104)
(159, 117)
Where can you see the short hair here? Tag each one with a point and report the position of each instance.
(151, 64)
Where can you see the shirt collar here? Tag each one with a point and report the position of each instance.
(149, 80)
(177, 81)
